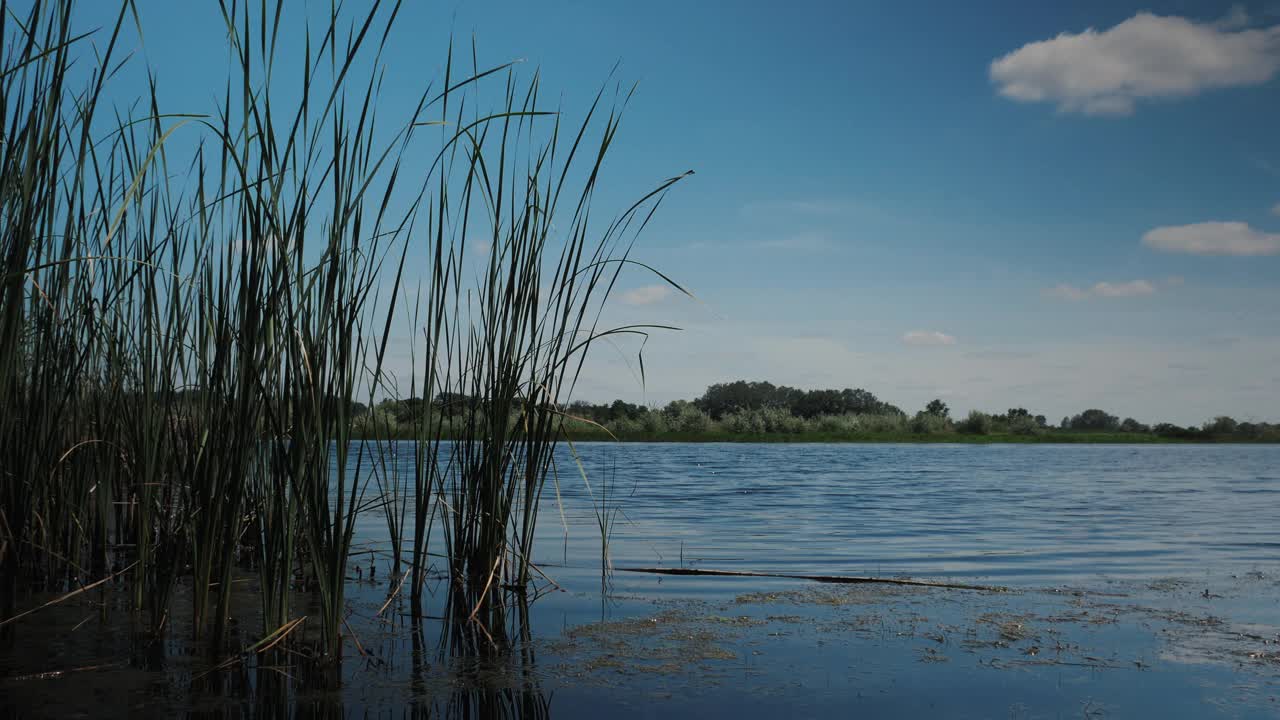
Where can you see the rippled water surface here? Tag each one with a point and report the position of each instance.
(1012, 514)
(1145, 583)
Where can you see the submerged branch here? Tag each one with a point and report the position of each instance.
(68, 596)
(834, 579)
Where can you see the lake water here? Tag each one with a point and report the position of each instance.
(1010, 514)
(1146, 583)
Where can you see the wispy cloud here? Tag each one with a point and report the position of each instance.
(1000, 355)
(811, 207)
(1143, 58)
(269, 245)
(928, 338)
(1265, 165)
(803, 241)
(647, 295)
(1064, 291)
(1213, 238)
(1275, 209)
(1132, 288)
(799, 241)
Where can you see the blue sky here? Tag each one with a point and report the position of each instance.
(1049, 205)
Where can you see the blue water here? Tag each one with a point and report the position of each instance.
(1019, 515)
(1146, 583)
(1013, 514)
(1149, 575)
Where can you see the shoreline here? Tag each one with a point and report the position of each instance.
(1052, 438)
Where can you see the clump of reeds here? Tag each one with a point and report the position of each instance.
(183, 341)
(509, 348)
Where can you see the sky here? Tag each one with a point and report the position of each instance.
(1055, 206)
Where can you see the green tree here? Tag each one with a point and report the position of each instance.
(1221, 425)
(724, 398)
(1016, 414)
(977, 423)
(937, 408)
(1133, 426)
(1095, 420)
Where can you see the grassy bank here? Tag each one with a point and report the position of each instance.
(1050, 437)
(881, 437)
(762, 412)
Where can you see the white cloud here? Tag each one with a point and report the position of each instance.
(813, 207)
(1275, 209)
(269, 244)
(1066, 292)
(1132, 288)
(1145, 57)
(1213, 238)
(928, 337)
(800, 241)
(647, 295)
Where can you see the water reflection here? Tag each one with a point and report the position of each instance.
(458, 668)
(504, 704)
(492, 653)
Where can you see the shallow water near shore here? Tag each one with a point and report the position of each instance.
(1142, 581)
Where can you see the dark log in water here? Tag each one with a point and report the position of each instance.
(836, 579)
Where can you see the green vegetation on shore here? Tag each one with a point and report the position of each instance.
(762, 412)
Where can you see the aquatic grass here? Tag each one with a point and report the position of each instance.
(192, 303)
(314, 317)
(51, 195)
(510, 349)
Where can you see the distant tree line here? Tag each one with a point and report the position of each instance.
(762, 408)
(724, 399)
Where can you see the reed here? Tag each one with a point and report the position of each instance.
(192, 303)
(509, 347)
(53, 358)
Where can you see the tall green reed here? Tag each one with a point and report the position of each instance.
(182, 341)
(511, 346)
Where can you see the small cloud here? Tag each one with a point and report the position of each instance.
(1213, 238)
(1275, 209)
(1132, 288)
(270, 245)
(801, 241)
(1175, 281)
(1265, 165)
(1066, 292)
(1000, 355)
(804, 241)
(817, 207)
(928, 337)
(646, 295)
(1143, 58)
